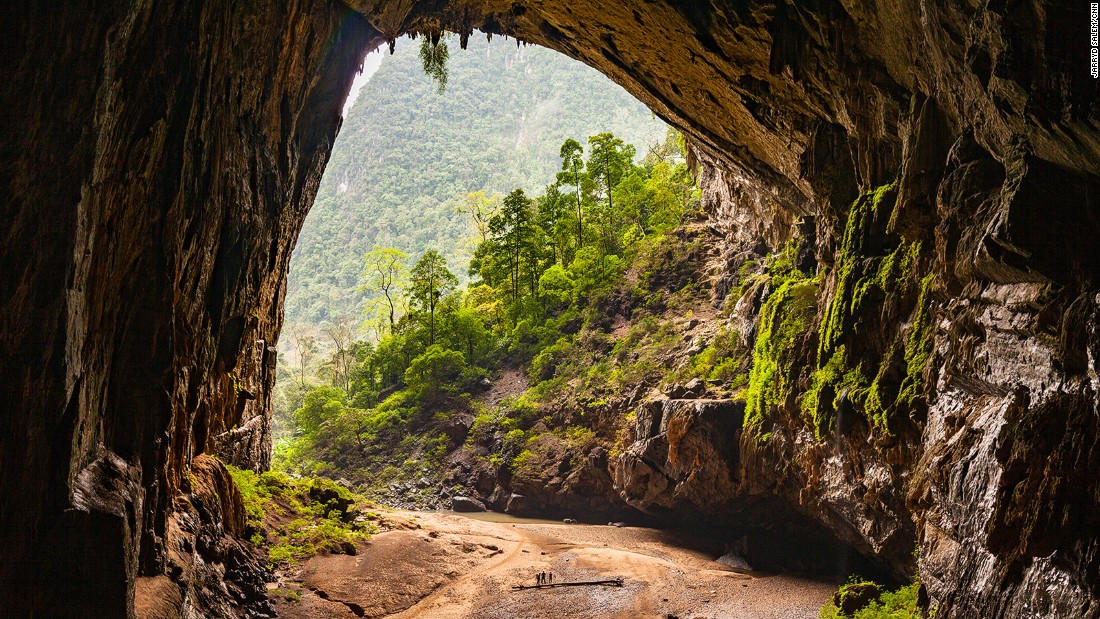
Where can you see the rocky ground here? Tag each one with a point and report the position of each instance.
(446, 565)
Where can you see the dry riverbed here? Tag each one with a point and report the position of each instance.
(436, 565)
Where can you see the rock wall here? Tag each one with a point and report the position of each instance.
(965, 287)
(159, 159)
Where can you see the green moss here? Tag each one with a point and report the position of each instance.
(746, 276)
(721, 360)
(851, 268)
(827, 384)
(314, 527)
(786, 315)
(290, 595)
(254, 495)
(872, 272)
(918, 345)
(899, 604)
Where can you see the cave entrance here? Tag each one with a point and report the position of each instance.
(172, 153)
(419, 167)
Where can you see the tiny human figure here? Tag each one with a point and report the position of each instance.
(551, 577)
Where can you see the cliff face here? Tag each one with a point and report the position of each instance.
(158, 160)
(938, 383)
(161, 156)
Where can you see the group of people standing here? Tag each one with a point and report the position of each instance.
(544, 578)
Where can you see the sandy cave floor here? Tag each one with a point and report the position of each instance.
(439, 565)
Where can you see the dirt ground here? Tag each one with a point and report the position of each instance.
(452, 566)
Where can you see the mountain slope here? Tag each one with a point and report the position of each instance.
(406, 155)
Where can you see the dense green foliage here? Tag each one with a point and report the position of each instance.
(875, 603)
(542, 274)
(407, 155)
(873, 266)
(785, 318)
(296, 518)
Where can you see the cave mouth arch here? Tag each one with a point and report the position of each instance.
(827, 551)
(167, 153)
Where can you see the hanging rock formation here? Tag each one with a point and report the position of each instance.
(941, 159)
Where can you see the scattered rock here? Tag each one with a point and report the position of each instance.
(675, 391)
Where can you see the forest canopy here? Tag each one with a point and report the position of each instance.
(407, 156)
(544, 268)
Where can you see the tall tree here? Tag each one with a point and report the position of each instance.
(608, 161)
(304, 341)
(385, 270)
(511, 230)
(480, 209)
(431, 279)
(551, 216)
(572, 169)
(340, 332)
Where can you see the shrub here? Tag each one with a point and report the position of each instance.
(866, 600)
(315, 512)
(436, 373)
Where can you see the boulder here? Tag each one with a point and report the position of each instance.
(675, 391)
(853, 597)
(467, 504)
(694, 388)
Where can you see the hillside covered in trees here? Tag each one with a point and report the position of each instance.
(407, 156)
(548, 267)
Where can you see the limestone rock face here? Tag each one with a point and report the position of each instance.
(684, 458)
(158, 160)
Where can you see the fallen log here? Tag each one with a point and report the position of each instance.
(614, 582)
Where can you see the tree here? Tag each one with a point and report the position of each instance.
(572, 171)
(385, 271)
(511, 231)
(363, 376)
(304, 342)
(481, 210)
(608, 161)
(320, 404)
(340, 331)
(435, 372)
(552, 216)
(430, 281)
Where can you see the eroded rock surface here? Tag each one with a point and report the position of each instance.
(159, 159)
